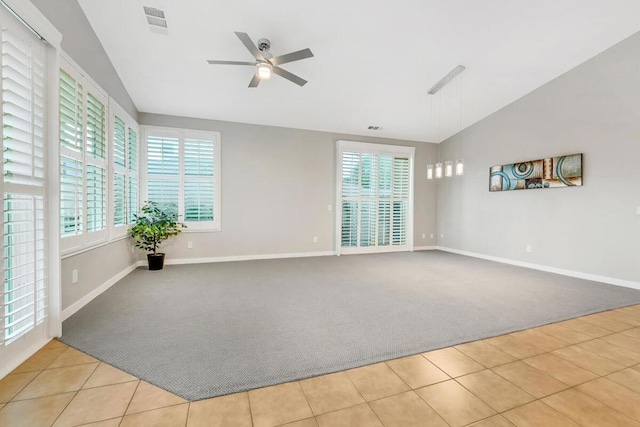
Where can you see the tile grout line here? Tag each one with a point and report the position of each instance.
(250, 410)
(76, 392)
(130, 400)
(361, 395)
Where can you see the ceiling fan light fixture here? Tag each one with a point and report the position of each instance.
(264, 70)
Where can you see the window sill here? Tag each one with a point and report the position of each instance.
(88, 248)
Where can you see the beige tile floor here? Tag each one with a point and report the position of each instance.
(583, 371)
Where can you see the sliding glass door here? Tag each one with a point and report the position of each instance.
(375, 197)
(24, 292)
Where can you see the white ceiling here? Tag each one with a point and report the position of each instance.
(374, 60)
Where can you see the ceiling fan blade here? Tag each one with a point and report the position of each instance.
(289, 76)
(212, 61)
(246, 41)
(255, 81)
(290, 57)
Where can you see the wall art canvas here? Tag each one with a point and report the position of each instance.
(563, 171)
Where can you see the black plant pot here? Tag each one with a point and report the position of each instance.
(156, 261)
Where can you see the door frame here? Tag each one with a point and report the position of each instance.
(379, 149)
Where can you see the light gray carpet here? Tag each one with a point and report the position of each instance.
(211, 329)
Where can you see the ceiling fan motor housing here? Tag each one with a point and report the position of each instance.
(264, 45)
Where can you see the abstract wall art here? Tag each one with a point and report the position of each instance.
(562, 171)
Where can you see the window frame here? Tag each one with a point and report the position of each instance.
(343, 146)
(121, 231)
(182, 134)
(85, 239)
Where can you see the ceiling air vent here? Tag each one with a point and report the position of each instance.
(156, 19)
(374, 128)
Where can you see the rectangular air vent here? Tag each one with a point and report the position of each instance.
(152, 11)
(374, 128)
(156, 19)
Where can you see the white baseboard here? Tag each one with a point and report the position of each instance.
(571, 273)
(425, 248)
(176, 261)
(73, 308)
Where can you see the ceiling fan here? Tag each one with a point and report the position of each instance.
(265, 62)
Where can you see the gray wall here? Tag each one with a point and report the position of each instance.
(95, 267)
(81, 43)
(593, 109)
(276, 185)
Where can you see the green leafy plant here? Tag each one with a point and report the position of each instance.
(153, 226)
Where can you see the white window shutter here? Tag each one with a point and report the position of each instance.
(23, 294)
(375, 197)
(119, 142)
(71, 123)
(183, 174)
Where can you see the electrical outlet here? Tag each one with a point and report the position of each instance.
(637, 210)
(315, 239)
(529, 248)
(329, 208)
(189, 244)
(431, 235)
(74, 276)
(441, 236)
(424, 236)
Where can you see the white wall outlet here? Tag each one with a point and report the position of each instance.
(424, 236)
(431, 235)
(529, 249)
(329, 208)
(315, 239)
(637, 210)
(74, 276)
(441, 235)
(189, 244)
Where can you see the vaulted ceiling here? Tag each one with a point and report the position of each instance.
(374, 60)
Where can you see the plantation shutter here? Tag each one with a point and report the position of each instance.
(133, 150)
(119, 191)
(96, 198)
(119, 150)
(350, 193)
(182, 174)
(199, 188)
(70, 196)
(119, 174)
(133, 159)
(71, 123)
(133, 197)
(72, 133)
(23, 298)
(96, 184)
(96, 127)
(375, 197)
(400, 200)
(163, 169)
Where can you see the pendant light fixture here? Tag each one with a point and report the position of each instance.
(429, 171)
(438, 170)
(447, 168)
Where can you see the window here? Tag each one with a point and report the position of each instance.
(98, 163)
(83, 160)
(375, 197)
(24, 291)
(183, 174)
(125, 170)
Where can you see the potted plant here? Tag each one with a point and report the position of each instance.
(152, 227)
